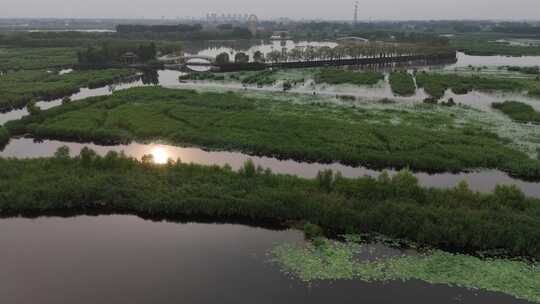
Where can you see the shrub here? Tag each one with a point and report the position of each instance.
(510, 196)
(518, 111)
(248, 169)
(325, 180)
(62, 153)
(312, 231)
(87, 156)
(33, 109)
(402, 83)
(287, 86)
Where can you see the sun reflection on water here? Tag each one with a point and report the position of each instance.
(160, 155)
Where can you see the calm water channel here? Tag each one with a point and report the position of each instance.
(484, 180)
(124, 259)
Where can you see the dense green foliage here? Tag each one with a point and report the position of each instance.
(436, 84)
(223, 58)
(83, 39)
(158, 28)
(36, 58)
(532, 70)
(486, 46)
(109, 53)
(394, 206)
(534, 92)
(402, 83)
(306, 132)
(518, 111)
(335, 76)
(4, 136)
(334, 261)
(260, 78)
(19, 88)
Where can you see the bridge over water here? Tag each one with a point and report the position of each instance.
(444, 58)
(201, 57)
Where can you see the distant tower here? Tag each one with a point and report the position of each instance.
(356, 13)
(252, 25)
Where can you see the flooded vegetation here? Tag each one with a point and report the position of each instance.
(211, 120)
(17, 89)
(330, 260)
(402, 83)
(519, 111)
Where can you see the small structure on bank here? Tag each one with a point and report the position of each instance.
(129, 58)
(280, 35)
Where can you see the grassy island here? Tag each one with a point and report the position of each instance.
(307, 132)
(402, 83)
(19, 88)
(518, 111)
(335, 76)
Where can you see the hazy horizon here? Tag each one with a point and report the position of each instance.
(302, 9)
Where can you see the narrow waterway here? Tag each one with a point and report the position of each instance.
(484, 180)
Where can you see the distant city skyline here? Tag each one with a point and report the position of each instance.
(299, 9)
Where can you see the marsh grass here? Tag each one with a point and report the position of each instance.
(402, 83)
(436, 84)
(304, 132)
(335, 76)
(518, 111)
(332, 260)
(19, 88)
(36, 58)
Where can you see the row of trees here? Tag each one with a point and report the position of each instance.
(345, 51)
(141, 28)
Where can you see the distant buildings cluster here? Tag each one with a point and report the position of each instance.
(226, 18)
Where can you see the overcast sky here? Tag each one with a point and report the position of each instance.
(311, 9)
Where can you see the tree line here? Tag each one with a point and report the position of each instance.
(342, 51)
(159, 28)
(114, 53)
